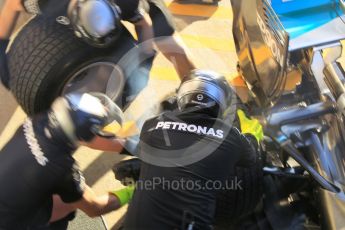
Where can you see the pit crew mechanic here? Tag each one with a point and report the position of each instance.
(151, 19)
(41, 182)
(169, 139)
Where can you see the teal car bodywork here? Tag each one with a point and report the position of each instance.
(311, 22)
(299, 40)
(268, 32)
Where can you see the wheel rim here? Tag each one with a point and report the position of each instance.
(105, 77)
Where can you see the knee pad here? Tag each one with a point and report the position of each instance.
(34, 6)
(45, 7)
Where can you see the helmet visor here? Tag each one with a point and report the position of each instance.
(115, 117)
(203, 87)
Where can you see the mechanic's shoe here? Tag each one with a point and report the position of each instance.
(4, 73)
(127, 171)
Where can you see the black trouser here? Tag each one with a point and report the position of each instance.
(61, 224)
(48, 7)
(4, 74)
(162, 20)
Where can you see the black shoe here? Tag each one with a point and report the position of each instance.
(4, 73)
(62, 224)
(127, 171)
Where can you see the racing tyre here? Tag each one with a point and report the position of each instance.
(46, 60)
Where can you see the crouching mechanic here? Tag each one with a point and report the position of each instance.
(98, 23)
(184, 153)
(41, 182)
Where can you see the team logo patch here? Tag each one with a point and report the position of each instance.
(33, 144)
(200, 97)
(191, 128)
(63, 20)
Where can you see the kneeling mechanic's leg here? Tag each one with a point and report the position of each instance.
(173, 50)
(167, 41)
(8, 17)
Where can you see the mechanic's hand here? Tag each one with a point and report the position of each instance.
(105, 144)
(4, 73)
(250, 126)
(124, 195)
(132, 144)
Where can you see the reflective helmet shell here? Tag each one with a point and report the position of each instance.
(82, 116)
(204, 89)
(95, 21)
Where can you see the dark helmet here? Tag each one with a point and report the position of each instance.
(95, 21)
(80, 117)
(206, 90)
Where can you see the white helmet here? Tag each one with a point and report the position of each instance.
(83, 116)
(204, 89)
(95, 21)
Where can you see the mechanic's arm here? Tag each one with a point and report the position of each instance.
(76, 194)
(106, 144)
(8, 17)
(144, 32)
(94, 205)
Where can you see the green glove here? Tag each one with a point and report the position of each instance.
(124, 195)
(250, 126)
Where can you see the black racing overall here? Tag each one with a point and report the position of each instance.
(164, 205)
(35, 164)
